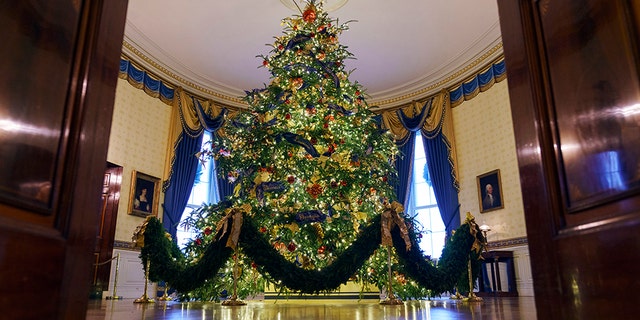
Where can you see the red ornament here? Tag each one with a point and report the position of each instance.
(207, 231)
(291, 179)
(254, 265)
(291, 247)
(265, 62)
(198, 241)
(321, 249)
(263, 229)
(287, 116)
(297, 83)
(311, 110)
(314, 140)
(314, 190)
(309, 15)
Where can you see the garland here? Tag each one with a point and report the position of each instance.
(169, 264)
(310, 281)
(452, 266)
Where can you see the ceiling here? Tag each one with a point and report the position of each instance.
(404, 50)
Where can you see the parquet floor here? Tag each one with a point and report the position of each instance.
(505, 308)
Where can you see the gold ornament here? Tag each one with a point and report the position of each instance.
(318, 230)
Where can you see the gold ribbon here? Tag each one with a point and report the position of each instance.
(391, 217)
(138, 234)
(473, 230)
(234, 215)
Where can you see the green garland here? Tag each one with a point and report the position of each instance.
(169, 264)
(310, 281)
(452, 266)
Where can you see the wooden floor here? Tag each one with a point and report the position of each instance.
(506, 308)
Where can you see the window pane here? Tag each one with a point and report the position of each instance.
(424, 206)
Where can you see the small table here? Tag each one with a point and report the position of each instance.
(496, 266)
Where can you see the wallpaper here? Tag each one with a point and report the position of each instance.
(138, 141)
(485, 142)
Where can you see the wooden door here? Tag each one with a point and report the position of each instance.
(59, 63)
(572, 69)
(107, 225)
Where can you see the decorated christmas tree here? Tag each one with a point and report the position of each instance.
(309, 161)
(313, 202)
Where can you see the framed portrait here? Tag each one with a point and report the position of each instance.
(145, 191)
(490, 191)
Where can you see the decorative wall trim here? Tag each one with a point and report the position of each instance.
(514, 242)
(124, 245)
(143, 59)
(158, 87)
(430, 90)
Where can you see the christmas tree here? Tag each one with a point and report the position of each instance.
(313, 174)
(308, 157)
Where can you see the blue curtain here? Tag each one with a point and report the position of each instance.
(429, 118)
(404, 165)
(184, 167)
(225, 188)
(179, 186)
(440, 169)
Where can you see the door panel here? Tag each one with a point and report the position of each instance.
(572, 68)
(107, 224)
(59, 62)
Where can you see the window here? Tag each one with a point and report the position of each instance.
(204, 190)
(423, 205)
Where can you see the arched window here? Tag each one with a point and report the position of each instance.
(423, 205)
(205, 190)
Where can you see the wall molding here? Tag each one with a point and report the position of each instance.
(505, 243)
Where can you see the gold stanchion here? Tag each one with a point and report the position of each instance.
(115, 280)
(165, 296)
(471, 297)
(457, 296)
(391, 299)
(144, 298)
(234, 301)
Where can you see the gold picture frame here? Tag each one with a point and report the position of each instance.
(490, 191)
(145, 191)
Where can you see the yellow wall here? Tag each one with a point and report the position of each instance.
(485, 142)
(138, 141)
